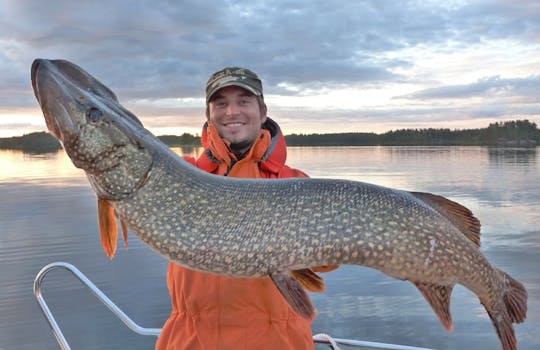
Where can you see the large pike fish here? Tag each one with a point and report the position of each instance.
(255, 228)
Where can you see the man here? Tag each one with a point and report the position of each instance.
(218, 312)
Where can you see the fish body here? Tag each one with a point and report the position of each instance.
(256, 228)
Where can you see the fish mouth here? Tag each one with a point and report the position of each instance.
(47, 81)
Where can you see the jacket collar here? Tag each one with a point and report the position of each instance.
(269, 149)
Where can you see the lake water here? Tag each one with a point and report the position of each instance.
(48, 213)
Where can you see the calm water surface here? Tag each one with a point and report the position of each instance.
(48, 213)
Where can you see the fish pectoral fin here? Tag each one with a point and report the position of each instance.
(309, 280)
(293, 292)
(438, 297)
(123, 225)
(459, 215)
(124, 228)
(107, 227)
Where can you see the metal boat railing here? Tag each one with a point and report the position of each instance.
(318, 338)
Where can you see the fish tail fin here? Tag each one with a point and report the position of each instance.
(513, 310)
(505, 329)
(293, 292)
(438, 296)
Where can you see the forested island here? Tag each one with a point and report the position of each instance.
(520, 133)
(36, 142)
(517, 133)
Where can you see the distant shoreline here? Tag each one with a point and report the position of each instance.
(518, 133)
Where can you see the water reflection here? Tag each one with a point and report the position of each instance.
(50, 168)
(188, 151)
(522, 155)
(47, 213)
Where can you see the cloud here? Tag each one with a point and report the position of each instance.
(152, 51)
(494, 86)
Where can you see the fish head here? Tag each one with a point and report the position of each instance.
(99, 135)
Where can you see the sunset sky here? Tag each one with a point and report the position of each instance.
(327, 66)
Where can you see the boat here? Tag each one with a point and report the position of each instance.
(321, 338)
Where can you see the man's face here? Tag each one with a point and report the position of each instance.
(236, 115)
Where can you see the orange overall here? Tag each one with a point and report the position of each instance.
(217, 312)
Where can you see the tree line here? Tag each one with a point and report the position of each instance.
(521, 133)
(36, 142)
(509, 133)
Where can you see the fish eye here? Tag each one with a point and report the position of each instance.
(94, 114)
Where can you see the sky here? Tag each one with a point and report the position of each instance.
(327, 66)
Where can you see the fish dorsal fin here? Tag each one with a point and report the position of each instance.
(108, 231)
(460, 216)
(439, 298)
(309, 280)
(293, 292)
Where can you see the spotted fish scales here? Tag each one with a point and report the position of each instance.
(257, 228)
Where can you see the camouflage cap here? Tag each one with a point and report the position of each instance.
(233, 76)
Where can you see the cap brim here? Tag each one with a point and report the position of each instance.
(234, 83)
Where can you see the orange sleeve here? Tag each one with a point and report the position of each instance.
(299, 173)
(288, 172)
(190, 159)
